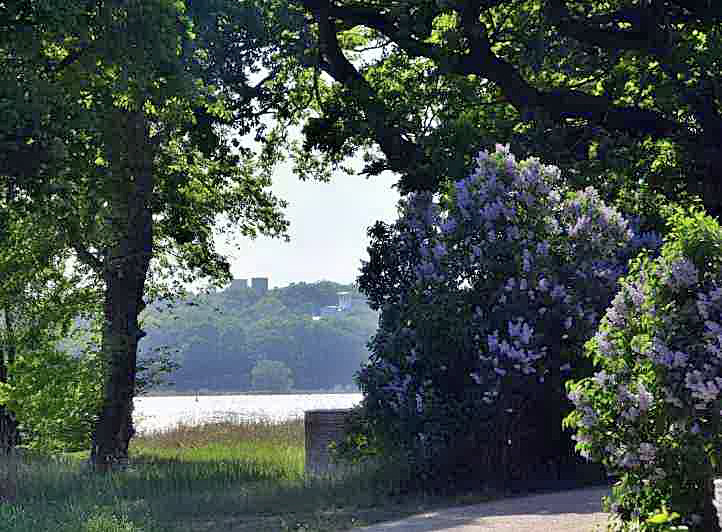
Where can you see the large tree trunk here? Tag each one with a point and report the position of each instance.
(9, 434)
(125, 268)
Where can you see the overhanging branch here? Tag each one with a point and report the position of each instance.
(401, 153)
(87, 258)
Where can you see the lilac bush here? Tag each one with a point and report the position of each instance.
(652, 410)
(488, 291)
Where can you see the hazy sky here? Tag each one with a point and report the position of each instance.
(328, 223)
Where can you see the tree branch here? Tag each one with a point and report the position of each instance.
(371, 18)
(87, 258)
(481, 61)
(644, 38)
(711, 10)
(71, 58)
(401, 153)
(650, 37)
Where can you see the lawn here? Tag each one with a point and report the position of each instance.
(223, 476)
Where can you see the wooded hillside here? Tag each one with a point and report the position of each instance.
(219, 338)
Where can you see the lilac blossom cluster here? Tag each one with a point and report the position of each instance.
(658, 392)
(544, 261)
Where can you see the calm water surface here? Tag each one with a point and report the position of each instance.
(161, 413)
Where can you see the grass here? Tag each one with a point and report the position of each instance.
(223, 476)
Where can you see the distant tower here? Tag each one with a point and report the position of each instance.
(238, 284)
(344, 300)
(259, 285)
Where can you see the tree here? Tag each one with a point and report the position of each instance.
(271, 375)
(141, 171)
(39, 299)
(615, 93)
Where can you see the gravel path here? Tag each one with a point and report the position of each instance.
(567, 511)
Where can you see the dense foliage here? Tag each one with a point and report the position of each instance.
(487, 296)
(271, 375)
(47, 396)
(111, 130)
(653, 411)
(613, 92)
(218, 338)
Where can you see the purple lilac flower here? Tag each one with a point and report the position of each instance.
(705, 391)
(647, 240)
(526, 260)
(575, 396)
(637, 294)
(680, 273)
(647, 452)
(616, 314)
(424, 270)
(629, 461)
(644, 398)
(449, 225)
(493, 341)
(558, 292)
(602, 377)
(543, 248)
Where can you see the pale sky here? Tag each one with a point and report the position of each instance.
(328, 223)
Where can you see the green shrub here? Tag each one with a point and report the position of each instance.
(652, 412)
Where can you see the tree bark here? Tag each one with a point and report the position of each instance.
(9, 433)
(124, 270)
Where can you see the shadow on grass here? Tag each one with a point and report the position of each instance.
(219, 477)
(171, 493)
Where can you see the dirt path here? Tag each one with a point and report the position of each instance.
(567, 511)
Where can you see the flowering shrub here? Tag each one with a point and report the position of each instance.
(652, 410)
(487, 293)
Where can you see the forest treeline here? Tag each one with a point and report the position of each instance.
(224, 340)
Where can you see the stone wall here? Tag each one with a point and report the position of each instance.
(322, 428)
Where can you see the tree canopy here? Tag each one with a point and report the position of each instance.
(617, 93)
(130, 166)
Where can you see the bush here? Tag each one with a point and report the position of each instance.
(651, 413)
(55, 397)
(487, 293)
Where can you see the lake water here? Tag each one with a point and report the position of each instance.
(152, 414)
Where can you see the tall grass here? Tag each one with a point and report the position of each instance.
(223, 476)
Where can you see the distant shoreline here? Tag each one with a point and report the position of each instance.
(208, 393)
